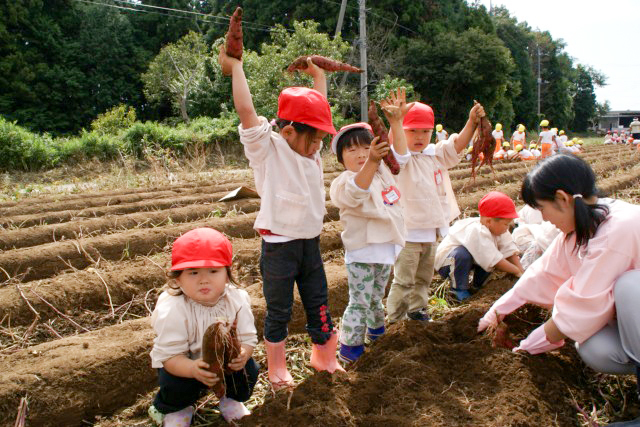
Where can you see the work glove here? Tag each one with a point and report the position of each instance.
(506, 304)
(537, 342)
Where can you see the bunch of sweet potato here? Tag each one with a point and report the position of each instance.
(220, 346)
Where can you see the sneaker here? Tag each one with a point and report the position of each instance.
(461, 294)
(181, 418)
(420, 315)
(231, 409)
(350, 353)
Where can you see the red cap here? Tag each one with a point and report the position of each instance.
(199, 248)
(419, 117)
(307, 106)
(344, 129)
(497, 205)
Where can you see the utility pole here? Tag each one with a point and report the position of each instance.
(539, 84)
(343, 7)
(363, 62)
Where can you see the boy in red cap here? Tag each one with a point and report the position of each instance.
(429, 206)
(288, 175)
(374, 230)
(201, 292)
(481, 244)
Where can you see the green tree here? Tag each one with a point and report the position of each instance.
(176, 72)
(585, 107)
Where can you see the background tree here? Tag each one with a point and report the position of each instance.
(175, 73)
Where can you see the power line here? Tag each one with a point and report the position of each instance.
(202, 19)
(370, 12)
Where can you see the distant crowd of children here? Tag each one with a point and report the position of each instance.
(630, 138)
(391, 223)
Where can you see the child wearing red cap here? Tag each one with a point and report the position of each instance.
(201, 291)
(288, 175)
(374, 230)
(429, 206)
(480, 244)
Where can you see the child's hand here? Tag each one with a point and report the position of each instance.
(239, 362)
(199, 372)
(395, 106)
(476, 113)
(312, 69)
(227, 62)
(378, 150)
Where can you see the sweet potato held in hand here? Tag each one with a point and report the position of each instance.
(220, 346)
(380, 130)
(233, 45)
(326, 64)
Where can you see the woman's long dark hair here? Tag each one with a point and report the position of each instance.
(575, 177)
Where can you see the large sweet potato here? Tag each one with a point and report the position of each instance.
(326, 64)
(233, 45)
(380, 130)
(220, 345)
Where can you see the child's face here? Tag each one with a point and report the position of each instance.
(418, 139)
(559, 213)
(203, 285)
(498, 226)
(301, 144)
(354, 157)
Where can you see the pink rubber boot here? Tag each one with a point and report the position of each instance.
(279, 375)
(323, 356)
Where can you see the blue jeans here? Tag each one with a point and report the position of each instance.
(177, 393)
(295, 262)
(459, 264)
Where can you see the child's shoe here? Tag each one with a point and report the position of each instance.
(350, 353)
(461, 294)
(323, 356)
(420, 315)
(374, 334)
(231, 409)
(181, 418)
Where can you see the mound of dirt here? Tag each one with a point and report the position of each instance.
(440, 374)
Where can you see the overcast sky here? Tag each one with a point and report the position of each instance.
(602, 34)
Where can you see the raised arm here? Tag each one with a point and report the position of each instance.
(318, 75)
(241, 95)
(395, 107)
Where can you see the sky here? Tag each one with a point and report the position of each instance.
(602, 34)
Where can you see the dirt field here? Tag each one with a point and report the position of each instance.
(80, 274)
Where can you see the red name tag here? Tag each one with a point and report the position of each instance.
(438, 177)
(391, 195)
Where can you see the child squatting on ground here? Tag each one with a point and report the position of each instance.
(429, 206)
(480, 244)
(201, 292)
(288, 175)
(374, 231)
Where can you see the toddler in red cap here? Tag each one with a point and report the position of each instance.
(429, 206)
(288, 175)
(374, 229)
(480, 244)
(201, 291)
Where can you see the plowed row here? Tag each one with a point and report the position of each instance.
(99, 259)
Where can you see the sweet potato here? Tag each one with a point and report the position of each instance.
(484, 143)
(380, 130)
(220, 345)
(501, 337)
(233, 45)
(326, 64)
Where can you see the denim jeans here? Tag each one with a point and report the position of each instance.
(458, 266)
(283, 264)
(177, 393)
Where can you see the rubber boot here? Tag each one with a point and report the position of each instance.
(350, 353)
(279, 375)
(182, 418)
(231, 409)
(323, 356)
(374, 334)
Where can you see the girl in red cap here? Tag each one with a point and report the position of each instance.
(288, 174)
(374, 230)
(429, 206)
(201, 291)
(589, 275)
(480, 244)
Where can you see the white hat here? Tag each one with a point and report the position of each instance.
(344, 129)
